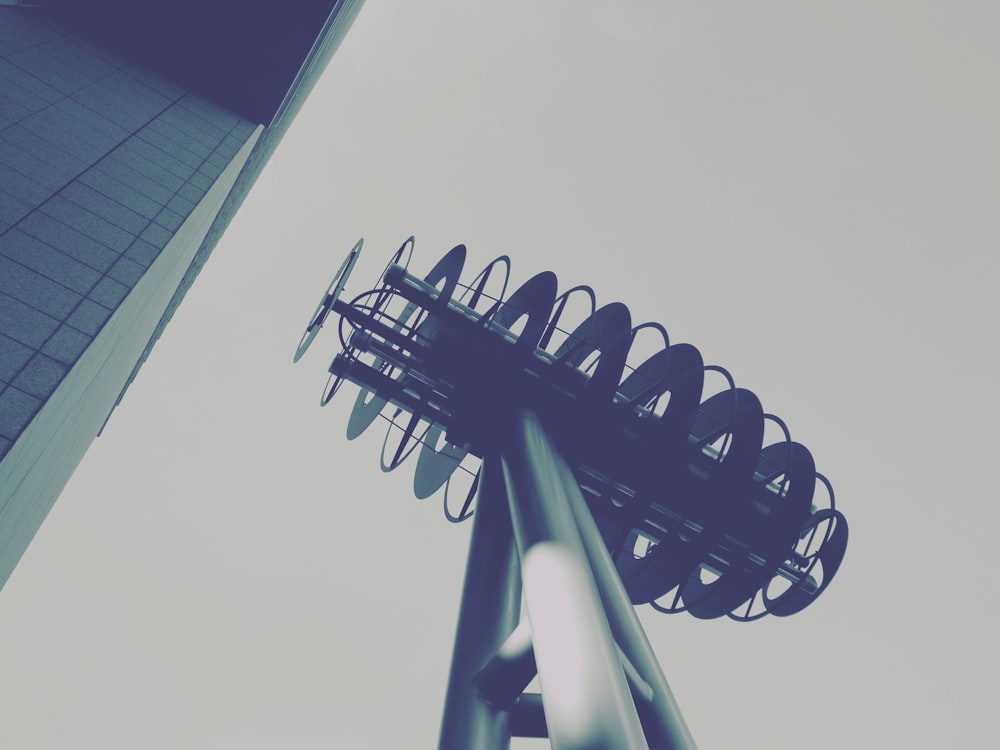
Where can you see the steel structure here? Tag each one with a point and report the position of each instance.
(605, 473)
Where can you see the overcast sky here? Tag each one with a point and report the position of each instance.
(808, 192)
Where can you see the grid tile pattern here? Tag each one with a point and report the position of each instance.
(100, 163)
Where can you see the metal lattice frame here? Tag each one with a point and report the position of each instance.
(615, 483)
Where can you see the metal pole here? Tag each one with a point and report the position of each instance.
(488, 613)
(584, 692)
(665, 718)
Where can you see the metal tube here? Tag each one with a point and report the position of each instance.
(665, 717)
(510, 671)
(641, 689)
(585, 695)
(488, 613)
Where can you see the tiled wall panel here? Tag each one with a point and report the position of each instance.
(100, 163)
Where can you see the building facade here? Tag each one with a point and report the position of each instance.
(129, 135)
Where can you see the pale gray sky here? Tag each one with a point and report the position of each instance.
(807, 192)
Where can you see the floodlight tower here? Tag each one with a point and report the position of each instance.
(599, 483)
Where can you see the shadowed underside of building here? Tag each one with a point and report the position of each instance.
(130, 132)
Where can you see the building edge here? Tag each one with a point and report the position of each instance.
(50, 439)
(337, 25)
